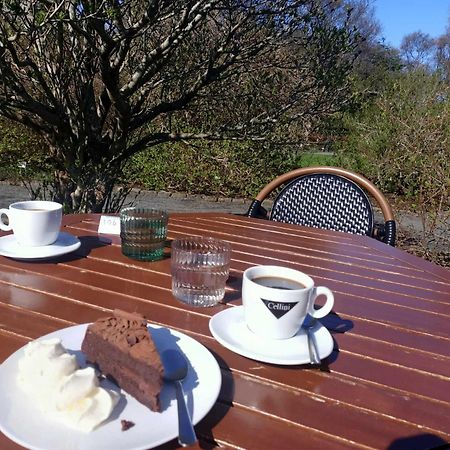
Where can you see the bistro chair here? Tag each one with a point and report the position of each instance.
(327, 197)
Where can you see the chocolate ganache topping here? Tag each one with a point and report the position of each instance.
(127, 331)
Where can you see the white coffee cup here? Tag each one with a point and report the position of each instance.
(34, 223)
(277, 299)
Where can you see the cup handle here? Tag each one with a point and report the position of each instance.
(326, 308)
(3, 226)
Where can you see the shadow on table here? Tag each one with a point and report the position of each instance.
(335, 324)
(220, 409)
(204, 428)
(234, 283)
(419, 442)
(88, 243)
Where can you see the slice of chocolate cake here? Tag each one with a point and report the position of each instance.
(124, 351)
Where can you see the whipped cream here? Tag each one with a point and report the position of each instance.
(53, 378)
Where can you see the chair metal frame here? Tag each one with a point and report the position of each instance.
(386, 234)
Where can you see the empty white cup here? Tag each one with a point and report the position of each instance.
(34, 223)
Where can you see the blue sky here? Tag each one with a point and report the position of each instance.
(401, 17)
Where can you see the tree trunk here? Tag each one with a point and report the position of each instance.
(90, 190)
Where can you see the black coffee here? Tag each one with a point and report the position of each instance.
(278, 282)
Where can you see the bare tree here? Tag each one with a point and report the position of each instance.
(102, 80)
(418, 49)
(375, 58)
(443, 53)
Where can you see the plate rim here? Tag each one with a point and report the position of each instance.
(239, 311)
(212, 396)
(58, 251)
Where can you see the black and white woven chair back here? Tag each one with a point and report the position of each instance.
(325, 201)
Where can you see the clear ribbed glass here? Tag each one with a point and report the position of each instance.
(200, 269)
(143, 233)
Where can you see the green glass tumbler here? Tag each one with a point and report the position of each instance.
(143, 232)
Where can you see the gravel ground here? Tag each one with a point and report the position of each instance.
(172, 202)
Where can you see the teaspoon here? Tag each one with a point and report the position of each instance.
(175, 370)
(308, 326)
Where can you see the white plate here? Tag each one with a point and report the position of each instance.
(66, 243)
(229, 328)
(26, 425)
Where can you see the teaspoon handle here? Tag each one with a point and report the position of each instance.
(186, 432)
(312, 346)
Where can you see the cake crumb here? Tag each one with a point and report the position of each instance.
(126, 424)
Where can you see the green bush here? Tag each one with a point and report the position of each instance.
(231, 169)
(401, 141)
(22, 153)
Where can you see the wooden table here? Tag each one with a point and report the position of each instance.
(385, 386)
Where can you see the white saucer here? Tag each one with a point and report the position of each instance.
(66, 243)
(228, 327)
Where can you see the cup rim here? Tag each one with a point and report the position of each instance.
(46, 205)
(280, 271)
